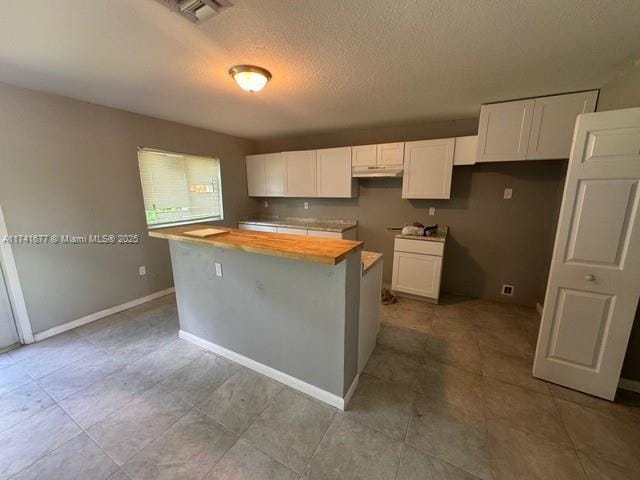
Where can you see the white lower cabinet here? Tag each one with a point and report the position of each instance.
(416, 272)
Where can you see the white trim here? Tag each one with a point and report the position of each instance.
(539, 308)
(101, 314)
(628, 384)
(16, 296)
(296, 384)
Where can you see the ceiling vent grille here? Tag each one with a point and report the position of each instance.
(197, 10)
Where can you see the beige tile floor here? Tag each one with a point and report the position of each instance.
(447, 394)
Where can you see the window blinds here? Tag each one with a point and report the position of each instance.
(179, 188)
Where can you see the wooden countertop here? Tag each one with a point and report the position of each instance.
(298, 247)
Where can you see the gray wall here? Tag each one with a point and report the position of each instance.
(298, 317)
(69, 167)
(492, 241)
(623, 91)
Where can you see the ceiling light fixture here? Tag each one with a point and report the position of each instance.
(250, 77)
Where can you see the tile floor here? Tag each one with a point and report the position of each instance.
(447, 394)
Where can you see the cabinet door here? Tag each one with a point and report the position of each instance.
(334, 172)
(553, 121)
(276, 174)
(300, 170)
(256, 178)
(416, 274)
(428, 165)
(503, 133)
(363, 156)
(466, 150)
(390, 154)
(292, 231)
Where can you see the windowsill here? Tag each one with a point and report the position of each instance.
(187, 222)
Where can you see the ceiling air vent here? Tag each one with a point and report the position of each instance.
(197, 10)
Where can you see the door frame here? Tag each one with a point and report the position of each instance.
(14, 289)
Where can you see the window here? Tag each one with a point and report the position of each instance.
(179, 188)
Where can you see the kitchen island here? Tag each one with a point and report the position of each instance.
(283, 305)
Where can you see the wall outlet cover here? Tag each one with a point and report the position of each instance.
(142, 270)
(507, 290)
(432, 211)
(306, 205)
(218, 269)
(266, 203)
(508, 193)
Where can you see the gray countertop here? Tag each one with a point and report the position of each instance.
(299, 222)
(441, 236)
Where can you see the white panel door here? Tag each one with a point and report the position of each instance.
(466, 150)
(554, 119)
(256, 176)
(364, 155)
(390, 154)
(416, 274)
(300, 173)
(334, 172)
(428, 165)
(276, 174)
(503, 132)
(8, 333)
(594, 281)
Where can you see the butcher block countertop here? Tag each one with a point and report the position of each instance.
(312, 249)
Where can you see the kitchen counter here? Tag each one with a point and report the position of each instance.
(441, 236)
(311, 249)
(369, 259)
(308, 223)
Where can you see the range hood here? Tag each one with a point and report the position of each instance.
(376, 171)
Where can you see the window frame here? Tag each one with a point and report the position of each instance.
(209, 219)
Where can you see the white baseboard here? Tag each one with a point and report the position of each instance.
(539, 308)
(101, 314)
(628, 384)
(296, 384)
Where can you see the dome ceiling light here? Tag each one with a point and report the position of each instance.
(250, 77)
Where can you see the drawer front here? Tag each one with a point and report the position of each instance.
(292, 231)
(256, 228)
(324, 234)
(419, 246)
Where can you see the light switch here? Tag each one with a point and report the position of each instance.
(508, 193)
(218, 269)
(432, 211)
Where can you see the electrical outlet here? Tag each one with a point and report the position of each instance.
(218, 269)
(508, 193)
(432, 211)
(142, 270)
(507, 290)
(266, 203)
(306, 205)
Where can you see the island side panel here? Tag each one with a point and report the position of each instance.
(286, 314)
(352, 318)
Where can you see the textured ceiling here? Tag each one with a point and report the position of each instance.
(335, 63)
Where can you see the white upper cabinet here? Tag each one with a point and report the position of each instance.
(391, 154)
(300, 173)
(276, 174)
(364, 155)
(553, 121)
(334, 173)
(384, 154)
(428, 165)
(503, 133)
(533, 129)
(466, 150)
(256, 176)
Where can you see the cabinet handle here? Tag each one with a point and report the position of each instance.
(589, 277)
